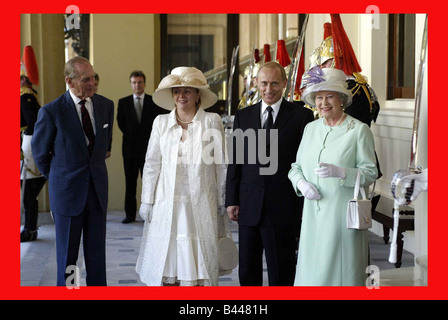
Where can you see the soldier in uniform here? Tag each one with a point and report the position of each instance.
(32, 180)
(336, 52)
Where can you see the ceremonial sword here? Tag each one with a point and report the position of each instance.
(412, 167)
(297, 53)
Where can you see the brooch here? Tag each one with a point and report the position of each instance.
(350, 125)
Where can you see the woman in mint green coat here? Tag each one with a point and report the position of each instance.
(332, 150)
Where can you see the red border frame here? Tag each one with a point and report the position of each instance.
(10, 265)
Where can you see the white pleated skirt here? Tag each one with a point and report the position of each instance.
(185, 262)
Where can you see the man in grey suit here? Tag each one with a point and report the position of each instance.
(71, 137)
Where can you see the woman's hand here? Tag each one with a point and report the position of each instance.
(326, 170)
(145, 212)
(308, 190)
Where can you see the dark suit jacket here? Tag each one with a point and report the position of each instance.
(135, 135)
(250, 190)
(60, 152)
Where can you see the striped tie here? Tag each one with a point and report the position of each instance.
(87, 126)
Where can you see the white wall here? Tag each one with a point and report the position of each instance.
(120, 44)
(393, 129)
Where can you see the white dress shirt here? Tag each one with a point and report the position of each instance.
(89, 107)
(264, 113)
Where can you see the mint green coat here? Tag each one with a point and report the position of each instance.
(329, 253)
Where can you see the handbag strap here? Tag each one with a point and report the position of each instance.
(227, 226)
(358, 188)
(373, 191)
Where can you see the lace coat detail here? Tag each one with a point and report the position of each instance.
(206, 171)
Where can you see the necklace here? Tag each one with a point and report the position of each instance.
(184, 122)
(339, 121)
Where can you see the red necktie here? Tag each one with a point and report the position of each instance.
(87, 125)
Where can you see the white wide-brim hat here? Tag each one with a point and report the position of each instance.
(183, 77)
(327, 79)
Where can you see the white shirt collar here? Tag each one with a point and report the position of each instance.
(141, 96)
(275, 107)
(76, 100)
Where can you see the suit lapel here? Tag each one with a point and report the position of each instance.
(283, 115)
(145, 110)
(255, 117)
(131, 110)
(99, 119)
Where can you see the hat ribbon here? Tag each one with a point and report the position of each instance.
(185, 81)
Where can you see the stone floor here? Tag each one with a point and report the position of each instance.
(38, 258)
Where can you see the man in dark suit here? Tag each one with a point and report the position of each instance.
(71, 137)
(135, 116)
(265, 205)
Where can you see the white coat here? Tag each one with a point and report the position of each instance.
(206, 171)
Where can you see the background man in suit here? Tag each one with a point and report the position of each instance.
(266, 207)
(135, 116)
(71, 137)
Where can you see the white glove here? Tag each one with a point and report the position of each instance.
(308, 190)
(420, 183)
(222, 210)
(326, 170)
(145, 212)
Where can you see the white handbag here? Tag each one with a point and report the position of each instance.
(359, 212)
(227, 249)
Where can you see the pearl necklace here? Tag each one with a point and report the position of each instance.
(184, 122)
(338, 123)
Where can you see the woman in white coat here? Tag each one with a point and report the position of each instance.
(183, 185)
(332, 150)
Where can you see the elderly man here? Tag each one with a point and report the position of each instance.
(71, 138)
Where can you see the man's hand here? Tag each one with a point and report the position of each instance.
(233, 212)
